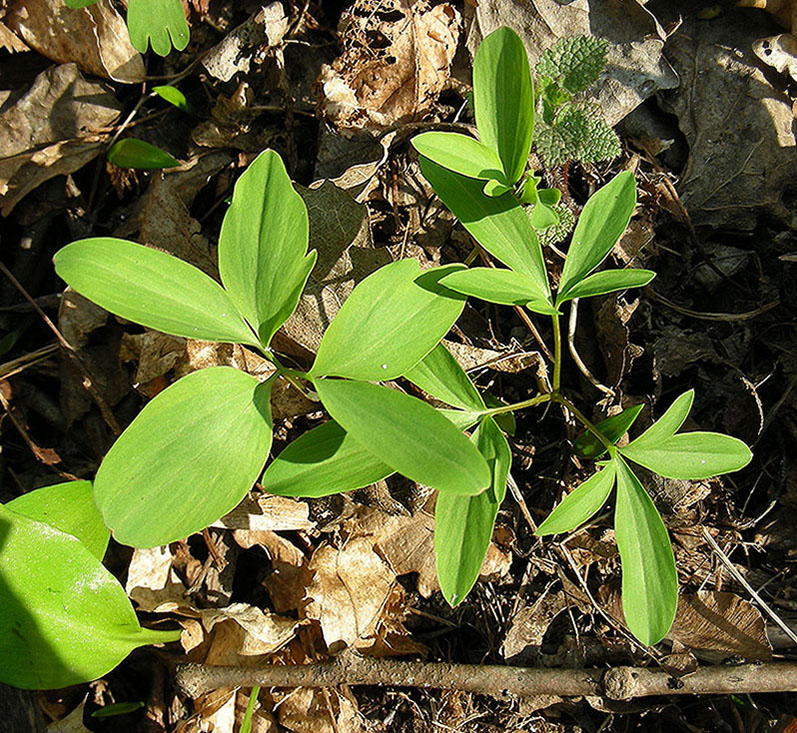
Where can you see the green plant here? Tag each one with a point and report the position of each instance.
(161, 23)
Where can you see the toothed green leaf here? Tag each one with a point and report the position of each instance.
(574, 62)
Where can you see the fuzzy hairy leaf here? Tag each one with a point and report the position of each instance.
(461, 154)
(263, 259)
(575, 62)
(440, 375)
(325, 460)
(576, 133)
(161, 23)
(407, 434)
(463, 525)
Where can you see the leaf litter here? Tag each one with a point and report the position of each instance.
(279, 580)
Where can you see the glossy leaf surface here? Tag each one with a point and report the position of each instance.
(505, 287)
(464, 524)
(140, 155)
(188, 458)
(68, 507)
(609, 281)
(263, 260)
(440, 375)
(407, 434)
(391, 321)
(159, 22)
(460, 153)
(325, 460)
(64, 619)
(152, 288)
(650, 582)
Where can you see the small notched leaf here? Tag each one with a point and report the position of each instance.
(505, 287)
(263, 259)
(440, 375)
(461, 154)
(152, 288)
(391, 321)
(498, 224)
(137, 154)
(464, 524)
(613, 428)
(609, 281)
(579, 505)
(604, 218)
(325, 460)
(407, 434)
(159, 22)
(650, 581)
(70, 508)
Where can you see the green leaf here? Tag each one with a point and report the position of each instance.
(503, 98)
(440, 375)
(68, 507)
(407, 434)
(79, 3)
(64, 619)
(576, 133)
(603, 219)
(579, 505)
(696, 455)
(575, 62)
(613, 428)
(175, 97)
(391, 321)
(152, 288)
(159, 22)
(118, 708)
(504, 420)
(325, 460)
(667, 424)
(505, 287)
(549, 196)
(650, 582)
(498, 224)
(463, 525)
(609, 281)
(134, 153)
(262, 248)
(189, 457)
(493, 188)
(462, 419)
(543, 216)
(461, 154)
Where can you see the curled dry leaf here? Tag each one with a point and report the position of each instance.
(395, 62)
(267, 513)
(95, 37)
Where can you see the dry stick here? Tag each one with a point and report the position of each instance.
(619, 683)
(571, 345)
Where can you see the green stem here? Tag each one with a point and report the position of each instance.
(557, 353)
(474, 253)
(538, 400)
(562, 400)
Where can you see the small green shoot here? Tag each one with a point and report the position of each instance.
(139, 155)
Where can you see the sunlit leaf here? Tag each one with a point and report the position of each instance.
(188, 458)
(391, 321)
(609, 281)
(159, 22)
(152, 288)
(460, 153)
(137, 154)
(263, 260)
(613, 428)
(667, 424)
(505, 287)
(407, 434)
(325, 460)
(440, 375)
(175, 97)
(118, 708)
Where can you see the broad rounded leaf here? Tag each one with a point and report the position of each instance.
(325, 460)
(189, 457)
(159, 22)
(579, 505)
(463, 525)
(609, 281)
(505, 287)
(407, 434)
(263, 260)
(440, 375)
(460, 153)
(503, 99)
(139, 155)
(64, 619)
(498, 224)
(391, 321)
(152, 288)
(604, 218)
(650, 581)
(613, 428)
(70, 508)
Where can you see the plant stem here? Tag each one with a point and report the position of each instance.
(538, 400)
(557, 353)
(562, 400)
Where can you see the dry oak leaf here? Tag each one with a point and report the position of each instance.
(396, 61)
(95, 38)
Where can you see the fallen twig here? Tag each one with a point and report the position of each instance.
(618, 683)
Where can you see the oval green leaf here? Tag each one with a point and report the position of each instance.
(137, 154)
(407, 434)
(650, 581)
(189, 457)
(159, 22)
(579, 505)
(325, 460)
(152, 288)
(440, 375)
(64, 619)
(391, 321)
(613, 428)
(505, 287)
(70, 508)
(463, 525)
(667, 424)
(503, 99)
(609, 281)
(604, 218)
(498, 224)
(263, 259)
(175, 97)
(460, 153)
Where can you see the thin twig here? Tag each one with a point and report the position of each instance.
(723, 317)
(571, 345)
